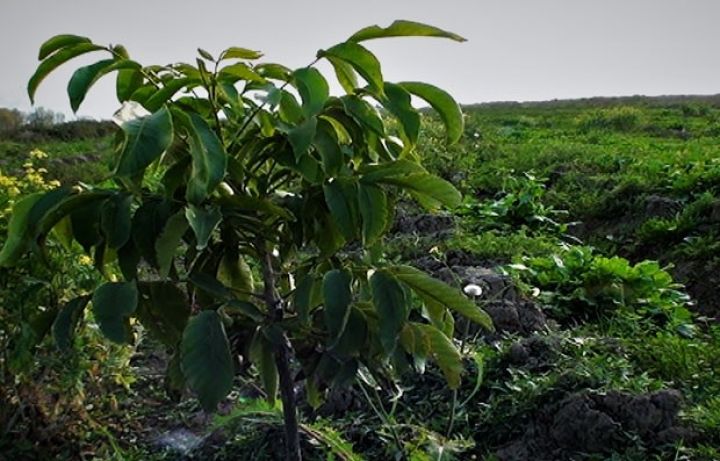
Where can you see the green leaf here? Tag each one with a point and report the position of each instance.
(65, 323)
(235, 273)
(113, 303)
(205, 54)
(115, 220)
(341, 199)
(363, 113)
(401, 28)
(239, 71)
(203, 223)
(210, 285)
(301, 137)
(398, 168)
(169, 240)
(155, 99)
(443, 103)
(274, 71)
(337, 297)
(436, 291)
(398, 102)
(327, 146)
(353, 340)
(86, 221)
(261, 354)
(444, 353)
(345, 74)
(53, 61)
(60, 41)
(361, 59)
(206, 360)
(306, 296)
(290, 110)
(313, 89)
(209, 161)
(164, 310)
(128, 81)
(146, 139)
(85, 77)
(391, 306)
(427, 186)
(18, 240)
(372, 203)
(236, 52)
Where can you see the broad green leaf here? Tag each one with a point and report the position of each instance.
(169, 240)
(274, 71)
(306, 296)
(113, 304)
(235, 273)
(328, 147)
(164, 310)
(290, 110)
(65, 323)
(245, 308)
(115, 220)
(206, 360)
(86, 221)
(148, 222)
(391, 306)
(353, 340)
(301, 137)
(337, 297)
(210, 285)
(443, 103)
(236, 52)
(341, 199)
(209, 161)
(205, 54)
(313, 89)
(55, 60)
(156, 98)
(262, 355)
(398, 102)
(18, 239)
(402, 28)
(83, 78)
(239, 71)
(427, 186)
(146, 139)
(345, 74)
(64, 208)
(361, 59)
(436, 291)
(372, 203)
(60, 41)
(363, 113)
(445, 354)
(398, 168)
(203, 222)
(128, 82)
(440, 316)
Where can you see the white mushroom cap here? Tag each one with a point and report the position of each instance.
(473, 290)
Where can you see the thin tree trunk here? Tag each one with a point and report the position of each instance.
(282, 360)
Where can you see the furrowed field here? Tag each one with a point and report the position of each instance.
(592, 229)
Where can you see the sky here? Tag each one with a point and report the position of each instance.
(517, 50)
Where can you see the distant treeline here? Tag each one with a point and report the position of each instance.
(45, 125)
(601, 102)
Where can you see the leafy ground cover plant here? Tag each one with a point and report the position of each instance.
(580, 284)
(519, 205)
(265, 176)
